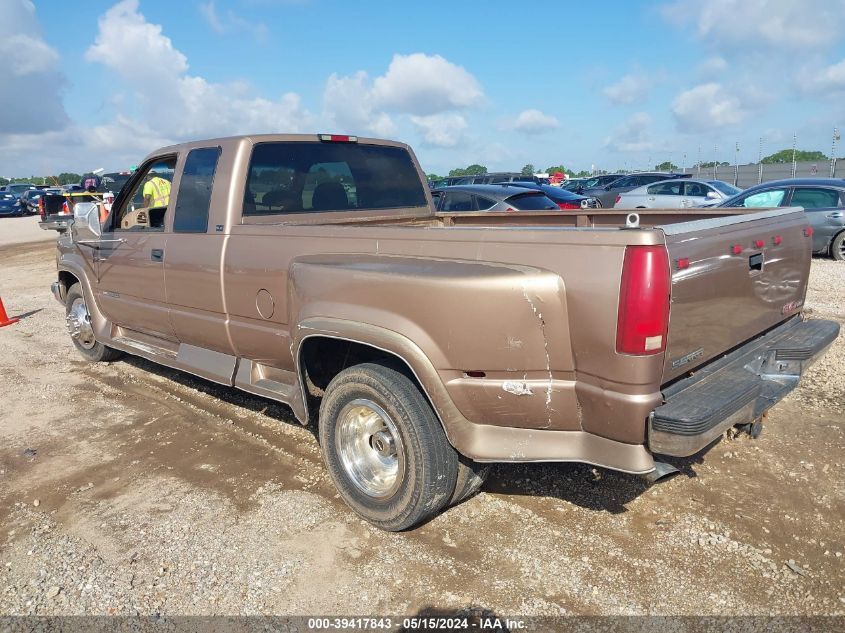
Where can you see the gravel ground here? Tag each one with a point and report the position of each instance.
(128, 488)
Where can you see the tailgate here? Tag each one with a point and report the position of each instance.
(733, 278)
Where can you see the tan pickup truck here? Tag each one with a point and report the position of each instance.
(312, 270)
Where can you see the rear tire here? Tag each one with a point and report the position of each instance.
(471, 476)
(384, 447)
(79, 319)
(837, 247)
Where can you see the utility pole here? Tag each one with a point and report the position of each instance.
(760, 162)
(833, 152)
(698, 165)
(794, 166)
(684, 166)
(715, 162)
(736, 164)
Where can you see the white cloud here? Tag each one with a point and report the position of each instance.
(427, 89)
(630, 89)
(826, 82)
(151, 66)
(708, 107)
(750, 24)
(32, 85)
(231, 21)
(350, 106)
(425, 84)
(634, 135)
(713, 65)
(533, 121)
(440, 130)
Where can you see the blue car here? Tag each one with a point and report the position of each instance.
(9, 204)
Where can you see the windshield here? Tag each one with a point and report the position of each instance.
(725, 188)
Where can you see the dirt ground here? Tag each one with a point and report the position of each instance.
(127, 488)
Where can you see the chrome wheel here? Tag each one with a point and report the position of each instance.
(79, 324)
(370, 448)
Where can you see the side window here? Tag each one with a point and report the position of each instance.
(770, 198)
(814, 198)
(145, 206)
(647, 180)
(665, 189)
(458, 201)
(484, 203)
(191, 214)
(629, 181)
(696, 189)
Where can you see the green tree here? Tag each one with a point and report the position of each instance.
(785, 156)
(471, 170)
(433, 177)
(712, 164)
(69, 178)
(528, 170)
(666, 165)
(557, 168)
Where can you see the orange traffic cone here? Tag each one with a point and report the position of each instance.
(4, 318)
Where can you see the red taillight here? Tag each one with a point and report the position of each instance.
(643, 316)
(808, 232)
(736, 249)
(777, 240)
(510, 210)
(338, 138)
(758, 243)
(568, 205)
(683, 263)
(618, 198)
(65, 208)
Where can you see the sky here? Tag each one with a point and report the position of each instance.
(609, 85)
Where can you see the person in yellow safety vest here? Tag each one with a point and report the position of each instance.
(156, 191)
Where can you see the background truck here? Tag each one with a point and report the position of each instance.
(313, 270)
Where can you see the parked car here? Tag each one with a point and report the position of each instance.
(29, 200)
(676, 194)
(505, 197)
(17, 189)
(580, 185)
(562, 198)
(9, 205)
(823, 200)
(607, 194)
(446, 182)
(423, 344)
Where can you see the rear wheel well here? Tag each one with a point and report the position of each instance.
(321, 358)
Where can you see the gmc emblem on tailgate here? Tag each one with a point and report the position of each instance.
(683, 360)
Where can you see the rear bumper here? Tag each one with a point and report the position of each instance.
(59, 223)
(737, 388)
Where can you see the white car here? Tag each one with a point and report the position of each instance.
(676, 194)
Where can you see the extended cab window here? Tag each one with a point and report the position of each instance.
(304, 177)
(145, 206)
(191, 214)
(665, 189)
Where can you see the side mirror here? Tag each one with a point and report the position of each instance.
(712, 195)
(86, 222)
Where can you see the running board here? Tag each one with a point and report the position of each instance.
(270, 382)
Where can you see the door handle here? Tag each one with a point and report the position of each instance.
(835, 215)
(157, 254)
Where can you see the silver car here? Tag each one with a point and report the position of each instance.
(676, 194)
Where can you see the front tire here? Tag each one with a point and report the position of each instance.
(384, 447)
(79, 327)
(837, 247)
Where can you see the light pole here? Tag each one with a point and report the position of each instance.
(684, 166)
(760, 162)
(736, 164)
(833, 152)
(698, 165)
(794, 166)
(715, 162)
